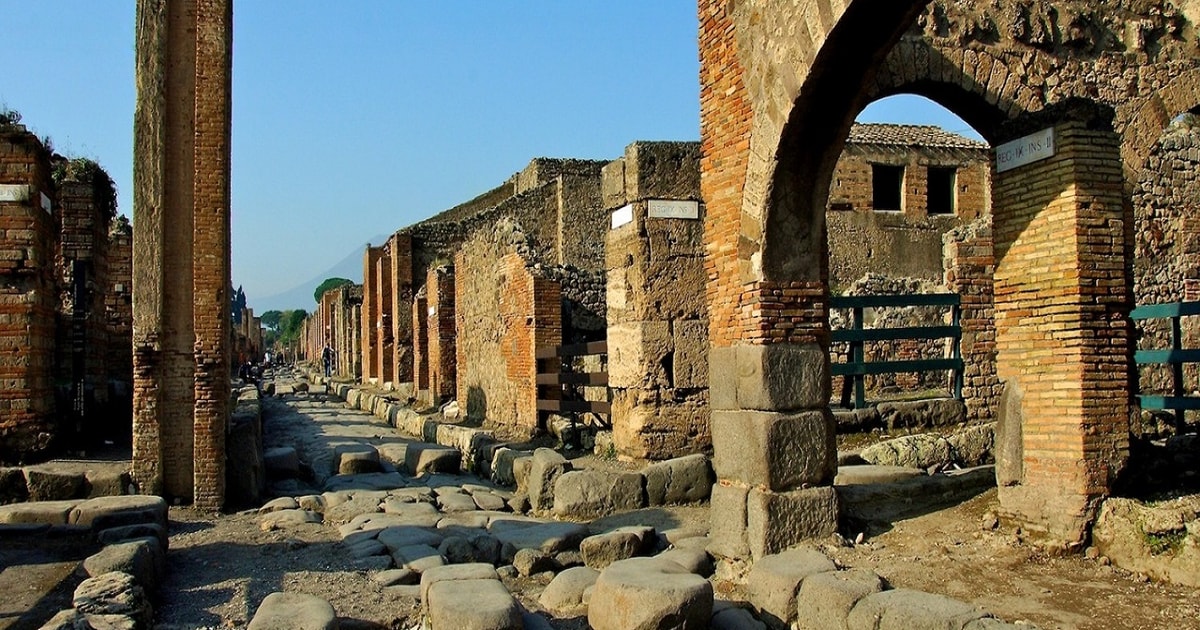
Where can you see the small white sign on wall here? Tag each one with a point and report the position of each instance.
(46, 205)
(670, 209)
(14, 192)
(622, 216)
(1026, 150)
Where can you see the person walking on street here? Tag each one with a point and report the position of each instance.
(327, 358)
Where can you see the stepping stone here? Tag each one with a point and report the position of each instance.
(774, 581)
(143, 559)
(564, 595)
(105, 512)
(544, 470)
(393, 453)
(37, 513)
(681, 480)
(649, 593)
(476, 571)
(113, 593)
(587, 494)
(294, 611)
(422, 457)
(419, 558)
(826, 599)
(904, 609)
(358, 460)
(472, 605)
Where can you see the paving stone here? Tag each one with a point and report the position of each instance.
(416, 514)
(476, 571)
(474, 519)
(647, 593)
(281, 462)
(532, 561)
(826, 599)
(367, 481)
(282, 503)
(463, 549)
(489, 501)
(37, 512)
(372, 563)
(502, 465)
(910, 451)
(681, 480)
(456, 503)
(372, 522)
(544, 470)
(126, 533)
(904, 609)
(419, 558)
(311, 502)
(774, 580)
(105, 512)
(472, 605)
(284, 519)
(397, 577)
(114, 593)
(422, 457)
(601, 550)
(733, 618)
(694, 560)
(405, 535)
(870, 473)
(393, 453)
(548, 537)
(419, 494)
(405, 591)
(564, 595)
(293, 611)
(569, 559)
(534, 621)
(366, 548)
(143, 559)
(585, 494)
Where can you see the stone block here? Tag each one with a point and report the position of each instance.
(662, 170)
(916, 414)
(551, 537)
(903, 609)
(37, 513)
(422, 457)
(782, 377)
(47, 484)
(778, 520)
(686, 479)
(544, 470)
(107, 483)
(774, 450)
(645, 593)
(358, 460)
(727, 529)
(143, 559)
(722, 378)
(105, 512)
(472, 605)
(12, 486)
(870, 474)
(281, 462)
(586, 494)
(520, 469)
(826, 599)
(601, 550)
(114, 593)
(1010, 446)
(690, 365)
(456, 572)
(564, 595)
(419, 558)
(694, 560)
(922, 451)
(974, 446)
(293, 611)
(656, 431)
(775, 579)
(636, 353)
(126, 533)
(612, 184)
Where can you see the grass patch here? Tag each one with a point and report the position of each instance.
(1159, 544)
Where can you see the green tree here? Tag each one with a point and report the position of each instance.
(329, 283)
(272, 319)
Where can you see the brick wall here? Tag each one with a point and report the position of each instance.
(400, 248)
(27, 297)
(970, 263)
(371, 315)
(420, 318)
(386, 294)
(440, 329)
(118, 316)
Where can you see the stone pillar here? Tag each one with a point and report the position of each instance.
(420, 306)
(387, 311)
(181, 243)
(371, 334)
(440, 330)
(401, 248)
(657, 317)
(1062, 291)
(969, 264)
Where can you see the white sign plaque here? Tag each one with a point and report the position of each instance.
(14, 192)
(1027, 150)
(622, 215)
(664, 209)
(46, 205)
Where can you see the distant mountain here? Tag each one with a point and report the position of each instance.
(301, 295)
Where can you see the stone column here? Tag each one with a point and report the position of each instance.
(181, 243)
(420, 305)
(440, 330)
(387, 311)
(1062, 291)
(401, 272)
(371, 315)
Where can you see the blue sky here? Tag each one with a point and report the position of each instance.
(355, 119)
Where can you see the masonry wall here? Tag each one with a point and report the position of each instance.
(400, 259)
(440, 329)
(371, 315)
(27, 297)
(118, 317)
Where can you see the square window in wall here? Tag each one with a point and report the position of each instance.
(940, 192)
(887, 186)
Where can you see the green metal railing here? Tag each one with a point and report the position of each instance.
(1175, 356)
(858, 367)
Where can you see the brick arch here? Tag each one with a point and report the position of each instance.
(1146, 126)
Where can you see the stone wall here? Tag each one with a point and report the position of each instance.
(118, 314)
(970, 262)
(440, 328)
(505, 312)
(27, 297)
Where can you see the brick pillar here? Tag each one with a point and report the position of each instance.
(387, 311)
(27, 297)
(420, 306)
(969, 264)
(371, 334)
(1062, 332)
(440, 330)
(181, 242)
(401, 248)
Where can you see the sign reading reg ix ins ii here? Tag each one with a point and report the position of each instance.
(1026, 150)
